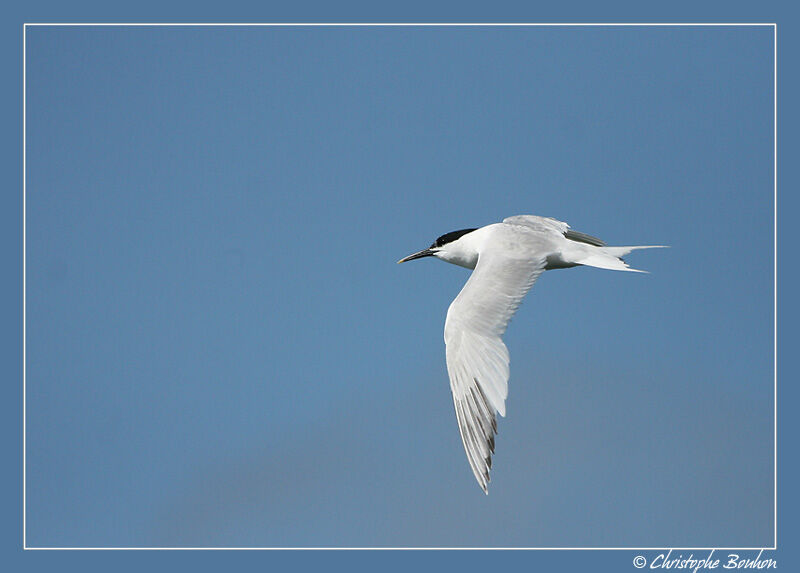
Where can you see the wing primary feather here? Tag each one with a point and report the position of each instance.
(483, 424)
(484, 404)
(479, 469)
(583, 238)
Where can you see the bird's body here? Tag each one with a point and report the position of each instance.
(507, 258)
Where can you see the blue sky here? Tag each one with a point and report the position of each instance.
(222, 350)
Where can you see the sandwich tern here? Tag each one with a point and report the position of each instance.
(506, 259)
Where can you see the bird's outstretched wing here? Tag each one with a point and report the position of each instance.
(477, 358)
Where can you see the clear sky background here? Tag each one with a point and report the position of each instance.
(222, 351)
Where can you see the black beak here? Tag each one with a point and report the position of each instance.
(419, 255)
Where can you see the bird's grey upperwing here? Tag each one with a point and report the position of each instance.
(538, 223)
(477, 358)
(548, 224)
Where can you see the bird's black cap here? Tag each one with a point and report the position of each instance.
(450, 237)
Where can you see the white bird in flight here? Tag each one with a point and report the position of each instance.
(507, 258)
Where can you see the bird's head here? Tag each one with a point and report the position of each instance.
(447, 247)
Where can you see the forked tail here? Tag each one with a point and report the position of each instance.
(611, 257)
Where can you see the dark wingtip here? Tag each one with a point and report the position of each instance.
(583, 238)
